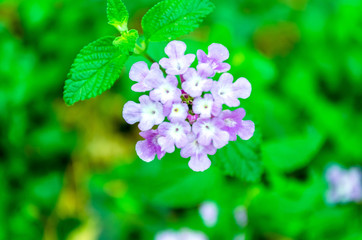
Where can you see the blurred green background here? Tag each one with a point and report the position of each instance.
(72, 172)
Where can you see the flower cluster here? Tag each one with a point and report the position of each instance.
(196, 122)
(345, 185)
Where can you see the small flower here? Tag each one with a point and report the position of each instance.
(178, 62)
(209, 213)
(225, 91)
(217, 53)
(147, 112)
(183, 234)
(241, 216)
(206, 106)
(192, 118)
(166, 91)
(234, 124)
(177, 112)
(148, 148)
(173, 134)
(209, 130)
(195, 83)
(199, 160)
(145, 78)
(345, 185)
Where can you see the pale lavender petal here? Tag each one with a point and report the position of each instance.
(201, 56)
(144, 151)
(138, 71)
(172, 80)
(231, 101)
(144, 99)
(146, 124)
(205, 70)
(222, 67)
(247, 130)
(204, 139)
(190, 147)
(166, 144)
(210, 149)
(226, 79)
(199, 163)
(189, 59)
(131, 112)
(218, 52)
(163, 128)
(196, 127)
(242, 88)
(220, 139)
(140, 87)
(216, 108)
(154, 77)
(175, 49)
(182, 142)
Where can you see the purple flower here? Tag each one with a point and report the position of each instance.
(209, 130)
(209, 213)
(196, 124)
(345, 185)
(145, 78)
(173, 134)
(183, 234)
(234, 124)
(227, 92)
(195, 83)
(147, 112)
(199, 160)
(178, 62)
(177, 112)
(192, 118)
(217, 53)
(206, 106)
(148, 148)
(166, 91)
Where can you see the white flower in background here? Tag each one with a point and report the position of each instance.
(183, 234)
(345, 185)
(209, 213)
(241, 216)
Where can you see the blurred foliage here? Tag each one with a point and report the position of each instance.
(72, 173)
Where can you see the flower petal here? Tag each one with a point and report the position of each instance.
(131, 112)
(247, 130)
(175, 49)
(138, 71)
(145, 151)
(242, 88)
(199, 162)
(218, 52)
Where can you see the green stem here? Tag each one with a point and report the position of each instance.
(146, 55)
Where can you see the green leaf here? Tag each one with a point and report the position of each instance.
(94, 70)
(171, 182)
(127, 40)
(293, 152)
(117, 14)
(241, 158)
(170, 19)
